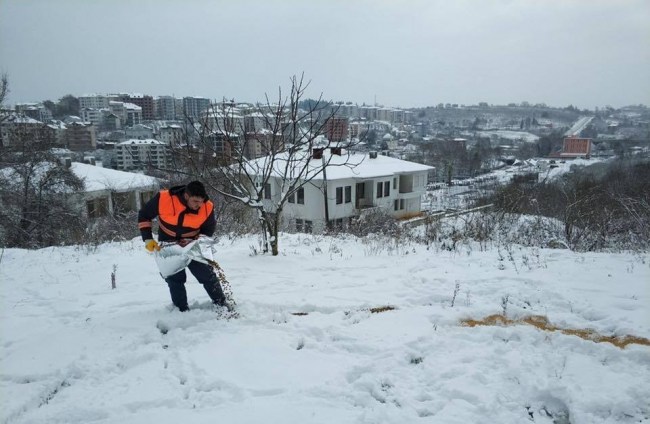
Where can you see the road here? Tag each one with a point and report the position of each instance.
(578, 126)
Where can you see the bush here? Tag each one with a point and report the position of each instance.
(607, 209)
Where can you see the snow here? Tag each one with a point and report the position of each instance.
(344, 166)
(75, 351)
(512, 135)
(97, 178)
(146, 141)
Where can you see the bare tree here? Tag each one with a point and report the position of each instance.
(4, 91)
(37, 196)
(4, 88)
(243, 162)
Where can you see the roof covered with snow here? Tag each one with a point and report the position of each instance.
(347, 165)
(143, 141)
(97, 178)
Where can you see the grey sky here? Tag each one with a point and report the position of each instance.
(407, 53)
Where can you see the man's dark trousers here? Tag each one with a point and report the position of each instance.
(205, 275)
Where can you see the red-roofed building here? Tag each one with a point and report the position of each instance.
(576, 147)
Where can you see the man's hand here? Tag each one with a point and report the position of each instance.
(151, 245)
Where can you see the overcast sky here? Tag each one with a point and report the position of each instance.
(406, 53)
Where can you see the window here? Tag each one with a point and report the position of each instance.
(267, 191)
(123, 203)
(308, 227)
(292, 198)
(97, 207)
(299, 225)
(380, 190)
(301, 196)
(339, 195)
(348, 194)
(396, 205)
(395, 183)
(387, 189)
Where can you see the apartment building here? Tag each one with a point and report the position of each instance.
(145, 103)
(93, 101)
(142, 154)
(129, 113)
(35, 111)
(193, 107)
(15, 130)
(165, 107)
(170, 135)
(336, 129)
(79, 136)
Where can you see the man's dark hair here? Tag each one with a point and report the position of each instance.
(196, 189)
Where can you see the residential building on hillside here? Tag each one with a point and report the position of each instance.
(336, 129)
(165, 107)
(260, 143)
(35, 111)
(170, 135)
(93, 101)
(15, 130)
(146, 104)
(95, 116)
(224, 119)
(79, 136)
(110, 192)
(142, 154)
(139, 131)
(129, 113)
(193, 107)
(220, 145)
(355, 184)
(256, 121)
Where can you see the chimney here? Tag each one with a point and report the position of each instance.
(373, 154)
(317, 153)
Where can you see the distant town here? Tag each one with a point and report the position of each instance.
(135, 131)
(305, 165)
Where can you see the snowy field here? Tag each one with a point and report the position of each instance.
(75, 351)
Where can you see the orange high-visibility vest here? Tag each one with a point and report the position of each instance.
(170, 212)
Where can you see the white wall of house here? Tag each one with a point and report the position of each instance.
(403, 199)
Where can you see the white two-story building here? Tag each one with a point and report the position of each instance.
(350, 185)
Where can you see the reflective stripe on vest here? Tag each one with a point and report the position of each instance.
(169, 212)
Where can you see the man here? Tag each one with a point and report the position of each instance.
(184, 212)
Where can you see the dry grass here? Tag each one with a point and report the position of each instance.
(376, 310)
(381, 309)
(541, 322)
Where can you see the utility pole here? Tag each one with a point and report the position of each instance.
(327, 211)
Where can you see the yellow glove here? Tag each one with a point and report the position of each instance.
(151, 245)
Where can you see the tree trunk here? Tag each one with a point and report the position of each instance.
(264, 224)
(274, 234)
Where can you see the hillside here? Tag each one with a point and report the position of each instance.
(318, 340)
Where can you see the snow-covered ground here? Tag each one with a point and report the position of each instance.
(464, 193)
(75, 351)
(512, 135)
